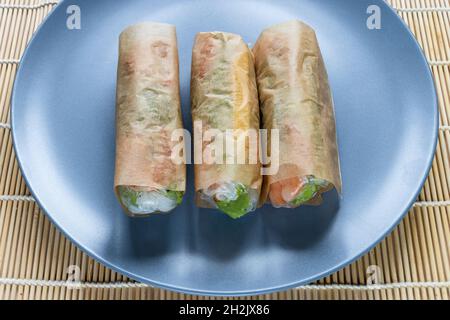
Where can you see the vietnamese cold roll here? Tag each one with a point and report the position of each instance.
(147, 113)
(296, 100)
(224, 98)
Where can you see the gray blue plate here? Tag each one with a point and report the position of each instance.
(63, 129)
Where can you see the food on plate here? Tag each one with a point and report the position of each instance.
(295, 98)
(224, 97)
(147, 113)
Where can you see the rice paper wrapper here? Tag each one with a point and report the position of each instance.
(295, 98)
(148, 109)
(224, 97)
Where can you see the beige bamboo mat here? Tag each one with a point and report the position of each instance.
(414, 260)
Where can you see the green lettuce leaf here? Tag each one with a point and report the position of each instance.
(309, 191)
(176, 195)
(238, 207)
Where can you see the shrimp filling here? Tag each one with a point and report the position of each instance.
(294, 192)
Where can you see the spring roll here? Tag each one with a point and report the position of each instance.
(295, 99)
(147, 112)
(224, 97)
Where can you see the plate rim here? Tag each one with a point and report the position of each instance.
(430, 82)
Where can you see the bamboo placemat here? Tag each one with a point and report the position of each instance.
(412, 263)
